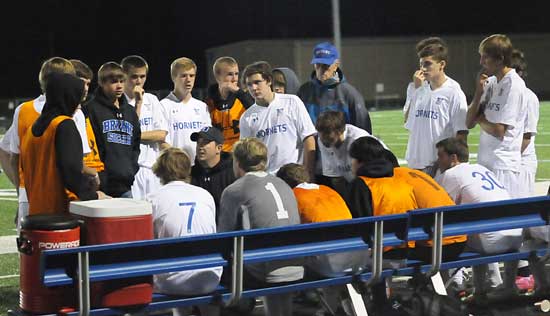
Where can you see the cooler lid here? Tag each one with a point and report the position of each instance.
(116, 207)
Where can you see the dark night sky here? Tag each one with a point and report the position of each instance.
(160, 31)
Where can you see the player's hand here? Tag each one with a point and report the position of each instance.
(418, 78)
(229, 87)
(138, 93)
(102, 196)
(481, 81)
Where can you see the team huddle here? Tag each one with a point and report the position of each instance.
(265, 151)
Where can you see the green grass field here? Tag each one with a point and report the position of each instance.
(388, 125)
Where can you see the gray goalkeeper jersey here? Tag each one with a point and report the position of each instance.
(261, 200)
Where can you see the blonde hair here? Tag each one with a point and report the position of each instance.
(251, 154)
(498, 47)
(225, 60)
(173, 164)
(182, 63)
(54, 64)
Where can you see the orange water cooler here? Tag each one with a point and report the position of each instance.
(116, 220)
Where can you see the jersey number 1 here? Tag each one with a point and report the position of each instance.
(281, 212)
(191, 212)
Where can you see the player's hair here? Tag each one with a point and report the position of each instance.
(330, 121)
(173, 164)
(134, 61)
(436, 51)
(455, 146)
(429, 41)
(366, 149)
(498, 47)
(293, 174)
(54, 64)
(223, 61)
(251, 154)
(519, 63)
(182, 63)
(109, 72)
(82, 70)
(260, 67)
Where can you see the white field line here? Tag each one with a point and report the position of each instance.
(9, 276)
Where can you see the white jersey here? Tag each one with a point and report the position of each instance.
(281, 126)
(336, 162)
(181, 209)
(434, 115)
(472, 183)
(183, 120)
(151, 118)
(529, 156)
(503, 103)
(411, 90)
(11, 141)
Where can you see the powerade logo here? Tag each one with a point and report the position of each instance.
(281, 128)
(58, 245)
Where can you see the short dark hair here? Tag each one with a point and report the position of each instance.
(110, 71)
(429, 41)
(82, 70)
(134, 61)
(436, 51)
(293, 174)
(519, 63)
(366, 149)
(173, 164)
(260, 67)
(455, 146)
(329, 121)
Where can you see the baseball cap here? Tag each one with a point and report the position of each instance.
(324, 53)
(210, 133)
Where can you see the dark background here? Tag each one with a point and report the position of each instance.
(160, 31)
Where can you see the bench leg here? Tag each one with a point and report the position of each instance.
(438, 284)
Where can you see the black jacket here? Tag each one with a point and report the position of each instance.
(118, 134)
(215, 179)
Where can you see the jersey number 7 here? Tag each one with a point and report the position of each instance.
(191, 212)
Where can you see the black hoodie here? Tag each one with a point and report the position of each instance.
(359, 199)
(215, 179)
(118, 134)
(63, 95)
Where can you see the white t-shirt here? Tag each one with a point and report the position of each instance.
(529, 156)
(11, 142)
(411, 90)
(281, 126)
(433, 116)
(472, 183)
(336, 162)
(181, 209)
(183, 120)
(151, 118)
(503, 104)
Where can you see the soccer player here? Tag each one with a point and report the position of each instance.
(213, 169)
(258, 199)
(334, 141)
(186, 114)
(280, 121)
(473, 183)
(329, 90)
(23, 118)
(153, 124)
(497, 107)
(226, 101)
(51, 150)
(437, 111)
(418, 76)
(181, 209)
(117, 131)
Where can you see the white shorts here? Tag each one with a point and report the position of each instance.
(527, 181)
(496, 242)
(510, 180)
(145, 182)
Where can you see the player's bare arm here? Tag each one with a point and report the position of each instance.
(495, 129)
(156, 136)
(309, 155)
(5, 162)
(138, 96)
(525, 141)
(474, 108)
